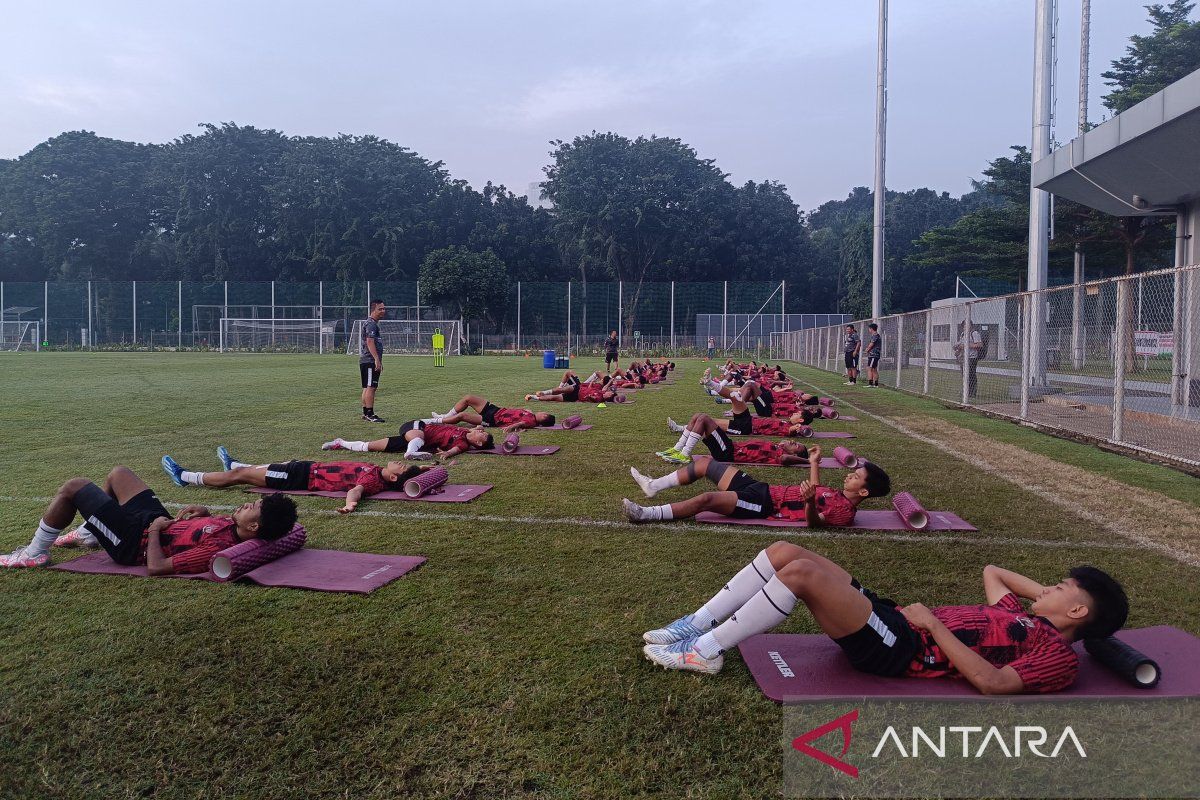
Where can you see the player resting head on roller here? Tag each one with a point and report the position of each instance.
(999, 647)
(131, 524)
(356, 478)
(476, 410)
(739, 495)
(420, 440)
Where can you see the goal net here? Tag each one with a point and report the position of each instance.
(409, 336)
(18, 335)
(273, 335)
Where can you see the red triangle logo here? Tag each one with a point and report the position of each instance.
(843, 724)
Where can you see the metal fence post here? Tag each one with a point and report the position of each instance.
(418, 306)
(1122, 344)
(91, 337)
(272, 313)
(928, 352)
(1077, 340)
(966, 355)
(899, 347)
(568, 319)
(725, 318)
(518, 348)
(672, 317)
(46, 310)
(2, 307)
(620, 310)
(368, 304)
(1026, 363)
(135, 312)
(783, 305)
(179, 311)
(321, 317)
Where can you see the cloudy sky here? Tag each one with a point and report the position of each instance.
(779, 90)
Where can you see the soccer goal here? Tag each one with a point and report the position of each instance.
(409, 336)
(19, 334)
(272, 335)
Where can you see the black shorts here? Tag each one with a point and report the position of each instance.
(489, 414)
(851, 361)
(398, 444)
(610, 357)
(119, 526)
(291, 476)
(886, 645)
(754, 497)
(720, 445)
(370, 375)
(872, 362)
(763, 405)
(571, 396)
(742, 424)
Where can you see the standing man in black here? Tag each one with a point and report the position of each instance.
(610, 351)
(370, 363)
(972, 344)
(874, 353)
(850, 348)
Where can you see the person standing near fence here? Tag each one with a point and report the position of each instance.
(874, 353)
(712, 348)
(370, 363)
(974, 346)
(850, 347)
(610, 351)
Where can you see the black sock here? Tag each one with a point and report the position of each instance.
(368, 411)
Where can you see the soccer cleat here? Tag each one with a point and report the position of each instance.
(682, 655)
(420, 455)
(17, 559)
(336, 444)
(674, 456)
(678, 630)
(173, 470)
(77, 538)
(372, 418)
(848, 383)
(226, 459)
(633, 512)
(643, 482)
(674, 426)
(723, 401)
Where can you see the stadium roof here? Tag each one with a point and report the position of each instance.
(1151, 150)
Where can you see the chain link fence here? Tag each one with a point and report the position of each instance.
(1115, 360)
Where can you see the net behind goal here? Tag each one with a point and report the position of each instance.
(409, 336)
(18, 335)
(273, 335)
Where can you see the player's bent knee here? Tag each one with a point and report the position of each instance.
(799, 574)
(71, 487)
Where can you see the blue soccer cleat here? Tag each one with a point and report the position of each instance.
(677, 631)
(173, 470)
(226, 459)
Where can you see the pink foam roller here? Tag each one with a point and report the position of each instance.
(572, 421)
(426, 482)
(234, 562)
(914, 516)
(829, 413)
(845, 457)
(511, 443)
(806, 431)
(620, 398)
(825, 401)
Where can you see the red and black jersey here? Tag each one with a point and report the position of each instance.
(514, 416)
(770, 426)
(445, 437)
(835, 508)
(342, 476)
(1005, 635)
(757, 451)
(191, 543)
(591, 393)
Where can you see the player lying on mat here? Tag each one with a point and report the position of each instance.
(739, 495)
(357, 479)
(476, 410)
(1000, 647)
(131, 524)
(574, 390)
(420, 440)
(712, 432)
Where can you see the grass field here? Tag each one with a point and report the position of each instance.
(510, 665)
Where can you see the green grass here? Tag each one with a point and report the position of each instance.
(510, 664)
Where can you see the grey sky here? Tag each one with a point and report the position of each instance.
(771, 90)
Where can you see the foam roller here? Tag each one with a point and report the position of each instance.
(806, 431)
(829, 413)
(426, 482)
(845, 457)
(620, 398)
(511, 443)
(826, 401)
(572, 421)
(911, 512)
(234, 562)
(1138, 669)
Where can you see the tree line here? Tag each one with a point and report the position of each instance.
(237, 202)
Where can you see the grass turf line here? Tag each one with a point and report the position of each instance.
(509, 666)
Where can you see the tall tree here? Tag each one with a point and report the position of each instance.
(1153, 62)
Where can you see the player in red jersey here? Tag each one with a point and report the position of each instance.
(597, 389)
(476, 410)
(131, 524)
(739, 495)
(999, 647)
(420, 441)
(357, 479)
(715, 435)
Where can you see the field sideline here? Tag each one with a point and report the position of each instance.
(510, 665)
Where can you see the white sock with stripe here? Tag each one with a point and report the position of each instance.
(733, 595)
(683, 437)
(657, 512)
(194, 478)
(763, 611)
(665, 482)
(691, 439)
(414, 445)
(43, 539)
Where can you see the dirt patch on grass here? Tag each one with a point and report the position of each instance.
(1150, 519)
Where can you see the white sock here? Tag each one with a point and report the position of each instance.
(657, 512)
(763, 611)
(693, 439)
(683, 437)
(194, 478)
(234, 464)
(674, 426)
(414, 445)
(43, 539)
(665, 482)
(358, 447)
(433, 420)
(733, 595)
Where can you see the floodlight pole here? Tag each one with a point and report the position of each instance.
(1039, 200)
(1085, 39)
(880, 164)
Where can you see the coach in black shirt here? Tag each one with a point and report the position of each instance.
(370, 363)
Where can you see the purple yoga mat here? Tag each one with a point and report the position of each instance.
(449, 493)
(871, 520)
(826, 463)
(319, 570)
(820, 671)
(841, 417)
(579, 427)
(523, 450)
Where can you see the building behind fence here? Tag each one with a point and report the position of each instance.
(1116, 360)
